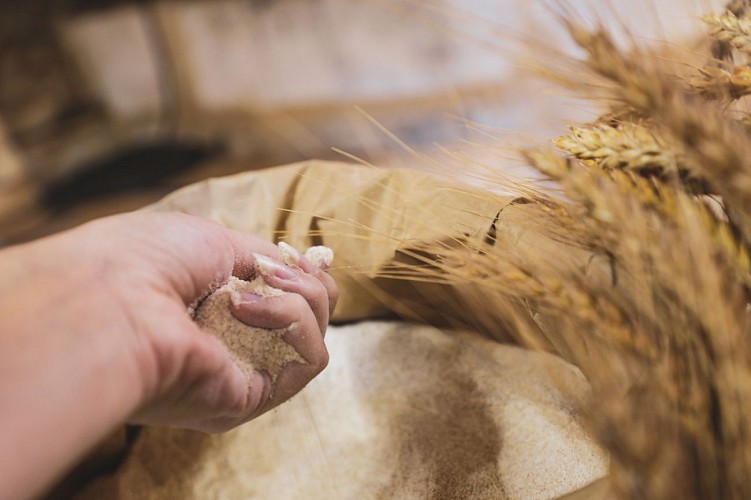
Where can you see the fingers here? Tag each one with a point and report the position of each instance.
(311, 287)
(289, 255)
(245, 248)
(292, 312)
(303, 312)
(332, 291)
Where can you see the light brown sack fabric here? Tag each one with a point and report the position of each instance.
(403, 410)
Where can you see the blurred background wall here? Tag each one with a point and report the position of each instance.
(106, 105)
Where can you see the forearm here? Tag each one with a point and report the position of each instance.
(66, 382)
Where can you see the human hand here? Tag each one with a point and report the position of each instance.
(191, 381)
(132, 278)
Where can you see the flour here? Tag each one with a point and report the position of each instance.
(254, 348)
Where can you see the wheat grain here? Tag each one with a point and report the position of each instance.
(716, 146)
(625, 146)
(720, 83)
(731, 29)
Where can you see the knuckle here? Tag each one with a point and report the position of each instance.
(333, 297)
(332, 291)
(296, 302)
(316, 296)
(217, 427)
(317, 288)
(322, 362)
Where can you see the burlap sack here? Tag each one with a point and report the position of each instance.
(403, 410)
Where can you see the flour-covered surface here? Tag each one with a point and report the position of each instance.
(401, 412)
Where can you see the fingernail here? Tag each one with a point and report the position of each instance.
(239, 298)
(270, 267)
(322, 257)
(288, 254)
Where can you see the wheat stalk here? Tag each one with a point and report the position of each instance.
(632, 277)
(645, 222)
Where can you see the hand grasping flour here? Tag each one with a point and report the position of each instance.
(255, 348)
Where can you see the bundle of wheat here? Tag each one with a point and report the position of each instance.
(658, 324)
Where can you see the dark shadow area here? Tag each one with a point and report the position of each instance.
(141, 167)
